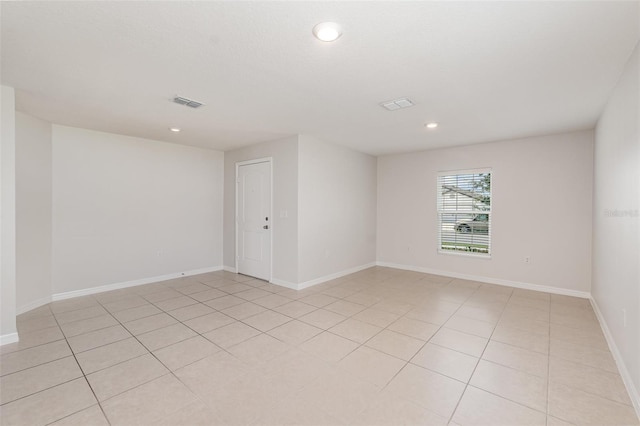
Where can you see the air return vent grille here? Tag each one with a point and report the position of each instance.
(187, 102)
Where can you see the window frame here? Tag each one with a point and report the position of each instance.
(439, 212)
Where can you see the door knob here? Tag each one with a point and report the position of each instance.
(265, 227)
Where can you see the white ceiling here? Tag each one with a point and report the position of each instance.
(484, 70)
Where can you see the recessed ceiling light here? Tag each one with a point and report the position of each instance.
(175, 129)
(327, 31)
(431, 125)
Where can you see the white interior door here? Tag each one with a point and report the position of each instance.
(254, 219)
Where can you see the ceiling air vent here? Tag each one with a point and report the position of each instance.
(397, 104)
(187, 102)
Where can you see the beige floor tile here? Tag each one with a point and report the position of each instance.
(439, 305)
(194, 414)
(36, 324)
(582, 408)
(531, 294)
(529, 302)
(588, 379)
(73, 304)
(396, 344)
(294, 332)
(318, 300)
(91, 416)
(344, 308)
(293, 413)
(128, 303)
(259, 349)
(244, 310)
(583, 355)
(511, 384)
(39, 312)
(166, 336)
(376, 317)
(371, 365)
(329, 347)
(554, 421)
(461, 342)
(271, 301)
(27, 358)
(342, 396)
(582, 319)
(186, 352)
(36, 379)
(593, 338)
(414, 328)
(445, 361)
(525, 324)
(536, 342)
(207, 295)
(159, 296)
(175, 303)
(235, 288)
(231, 334)
(192, 311)
(355, 330)
(209, 322)
(149, 403)
(429, 315)
(48, 406)
(212, 372)
(136, 313)
(490, 313)
(147, 324)
(387, 409)
(519, 312)
(295, 309)
(111, 354)
(433, 391)
(478, 407)
(394, 306)
(124, 376)
(520, 359)
(80, 314)
(224, 302)
(470, 326)
(35, 338)
(339, 291)
(363, 298)
(77, 328)
(253, 294)
(291, 371)
(322, 319)
(196, 287)
(266, 320)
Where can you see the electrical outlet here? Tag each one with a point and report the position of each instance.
(527, 259)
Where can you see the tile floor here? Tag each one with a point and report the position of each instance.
(379, 347)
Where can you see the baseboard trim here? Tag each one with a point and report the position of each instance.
(32, 305)
(333, 276)
(488, 280)
(283, 283)
(133, 283)
(5, 339)
(634, 395)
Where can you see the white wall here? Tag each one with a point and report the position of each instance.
(126, 209)
(33, 212)
(8, 332)
(616, 230)
(541, 208)
(284, 198)
(337, 209)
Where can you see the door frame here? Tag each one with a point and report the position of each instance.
(235, 213)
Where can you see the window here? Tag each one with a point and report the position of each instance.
(464, 212)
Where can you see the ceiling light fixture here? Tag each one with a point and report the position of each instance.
(431, 125)
(397, 104)
(327, 31)
(175, 129)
